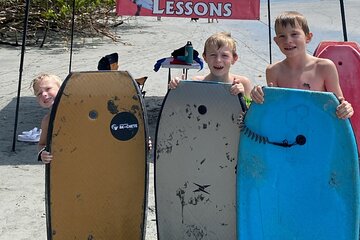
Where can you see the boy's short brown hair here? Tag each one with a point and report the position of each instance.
(292, 18)
(57, 80)
(219, 40)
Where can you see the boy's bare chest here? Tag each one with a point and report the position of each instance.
(307, 80)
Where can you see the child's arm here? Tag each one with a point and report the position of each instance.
(175, 81)
(257, 94)
(332, 84)
(344, 110)
(241, 85)
(44, 156)
(44, 129)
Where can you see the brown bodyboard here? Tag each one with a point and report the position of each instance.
(96, 185)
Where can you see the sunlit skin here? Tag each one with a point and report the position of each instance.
(114, 66)
(301, 70)
(45, 92)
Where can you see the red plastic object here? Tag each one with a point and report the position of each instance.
(346, 56)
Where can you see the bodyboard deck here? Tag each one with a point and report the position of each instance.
(195, 162)
(96, 184)
(298, 174)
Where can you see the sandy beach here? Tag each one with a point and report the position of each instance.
(144, 40)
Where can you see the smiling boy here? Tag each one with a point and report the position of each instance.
(299, 69)
(220, 54)
(46, 87)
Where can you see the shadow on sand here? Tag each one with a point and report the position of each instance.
(30, 115)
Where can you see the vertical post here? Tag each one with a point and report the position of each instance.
(72, 34)
(342, 9)
(269, 23)
(27, 6)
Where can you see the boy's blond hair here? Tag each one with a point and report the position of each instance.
(57, 80)
(292, 18)
(219, 40)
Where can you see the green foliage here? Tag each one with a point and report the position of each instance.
(92, 17)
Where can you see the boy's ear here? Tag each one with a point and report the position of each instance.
(276, 40)
(309, 37)
(235, 58)
(204, 57)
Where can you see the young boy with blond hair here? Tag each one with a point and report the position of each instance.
(219, 54)
(46, 87)
(299, 69)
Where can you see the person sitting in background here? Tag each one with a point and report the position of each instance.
(109, 62)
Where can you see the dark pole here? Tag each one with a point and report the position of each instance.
(72, 34)
(20, 71)
(269, 23)
(343, 20)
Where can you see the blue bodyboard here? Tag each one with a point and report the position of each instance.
(298, 173)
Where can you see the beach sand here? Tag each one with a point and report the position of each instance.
(144, 40)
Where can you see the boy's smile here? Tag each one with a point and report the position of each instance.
(289, 48)
(218, 67)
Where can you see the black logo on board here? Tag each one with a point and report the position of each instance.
(124, 126)
(201, 188)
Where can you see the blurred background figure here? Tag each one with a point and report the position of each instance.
(211, 20)
(109, 62)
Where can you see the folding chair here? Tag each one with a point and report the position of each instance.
(141, 82)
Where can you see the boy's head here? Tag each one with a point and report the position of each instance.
(291, 18)
(292, 33)
(46, 87)
(220, 54)
(219, 40)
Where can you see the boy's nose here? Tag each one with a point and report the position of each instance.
(288, 39)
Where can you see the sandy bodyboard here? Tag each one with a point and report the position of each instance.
(195, 162)
(298, 174)
(96, 184)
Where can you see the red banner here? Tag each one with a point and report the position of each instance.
(230, 9)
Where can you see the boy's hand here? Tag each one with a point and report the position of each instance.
(174, 82)
(257, 94)
(344, 110)
(237, 88)
(46, 157)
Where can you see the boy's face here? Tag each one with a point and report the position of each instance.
(45, 91)
(219, 60)
(292, 40)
